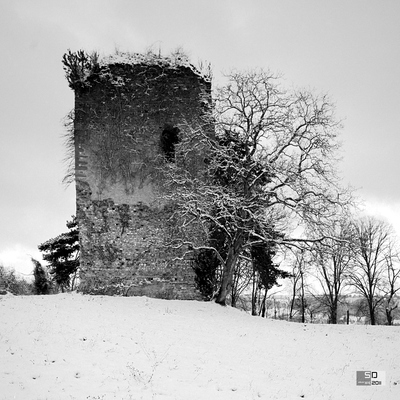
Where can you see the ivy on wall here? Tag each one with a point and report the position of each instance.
(112, 121)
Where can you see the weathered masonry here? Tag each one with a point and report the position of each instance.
(130, 112)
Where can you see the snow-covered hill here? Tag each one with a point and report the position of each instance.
(72, 346)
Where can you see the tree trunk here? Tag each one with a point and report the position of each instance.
(226, 278)
(254, 293)
(372, 314)
(227, 274)
(292, 307)
(303, 302)
(389, 316)
(333, 316)
(234, 288)
(263, 308)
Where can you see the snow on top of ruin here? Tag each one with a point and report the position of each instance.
(172, 62)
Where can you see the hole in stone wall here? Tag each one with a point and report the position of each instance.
(169, 138)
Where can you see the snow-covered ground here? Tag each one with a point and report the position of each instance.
(72, 346)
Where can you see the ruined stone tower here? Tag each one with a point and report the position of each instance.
(130, 112)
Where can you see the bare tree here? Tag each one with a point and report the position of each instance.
(373, 244)
(392, 286)
(241, 279)
(271, 162)
(314, 306)
(332, 259)
(299, 285)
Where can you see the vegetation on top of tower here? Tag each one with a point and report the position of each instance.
(79, 66)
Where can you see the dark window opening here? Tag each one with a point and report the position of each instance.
(169, 138)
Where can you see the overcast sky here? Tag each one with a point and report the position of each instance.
(348, 49)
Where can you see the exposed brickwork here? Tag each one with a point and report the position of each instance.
(124, 225)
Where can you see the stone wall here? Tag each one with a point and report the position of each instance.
(120, 116)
